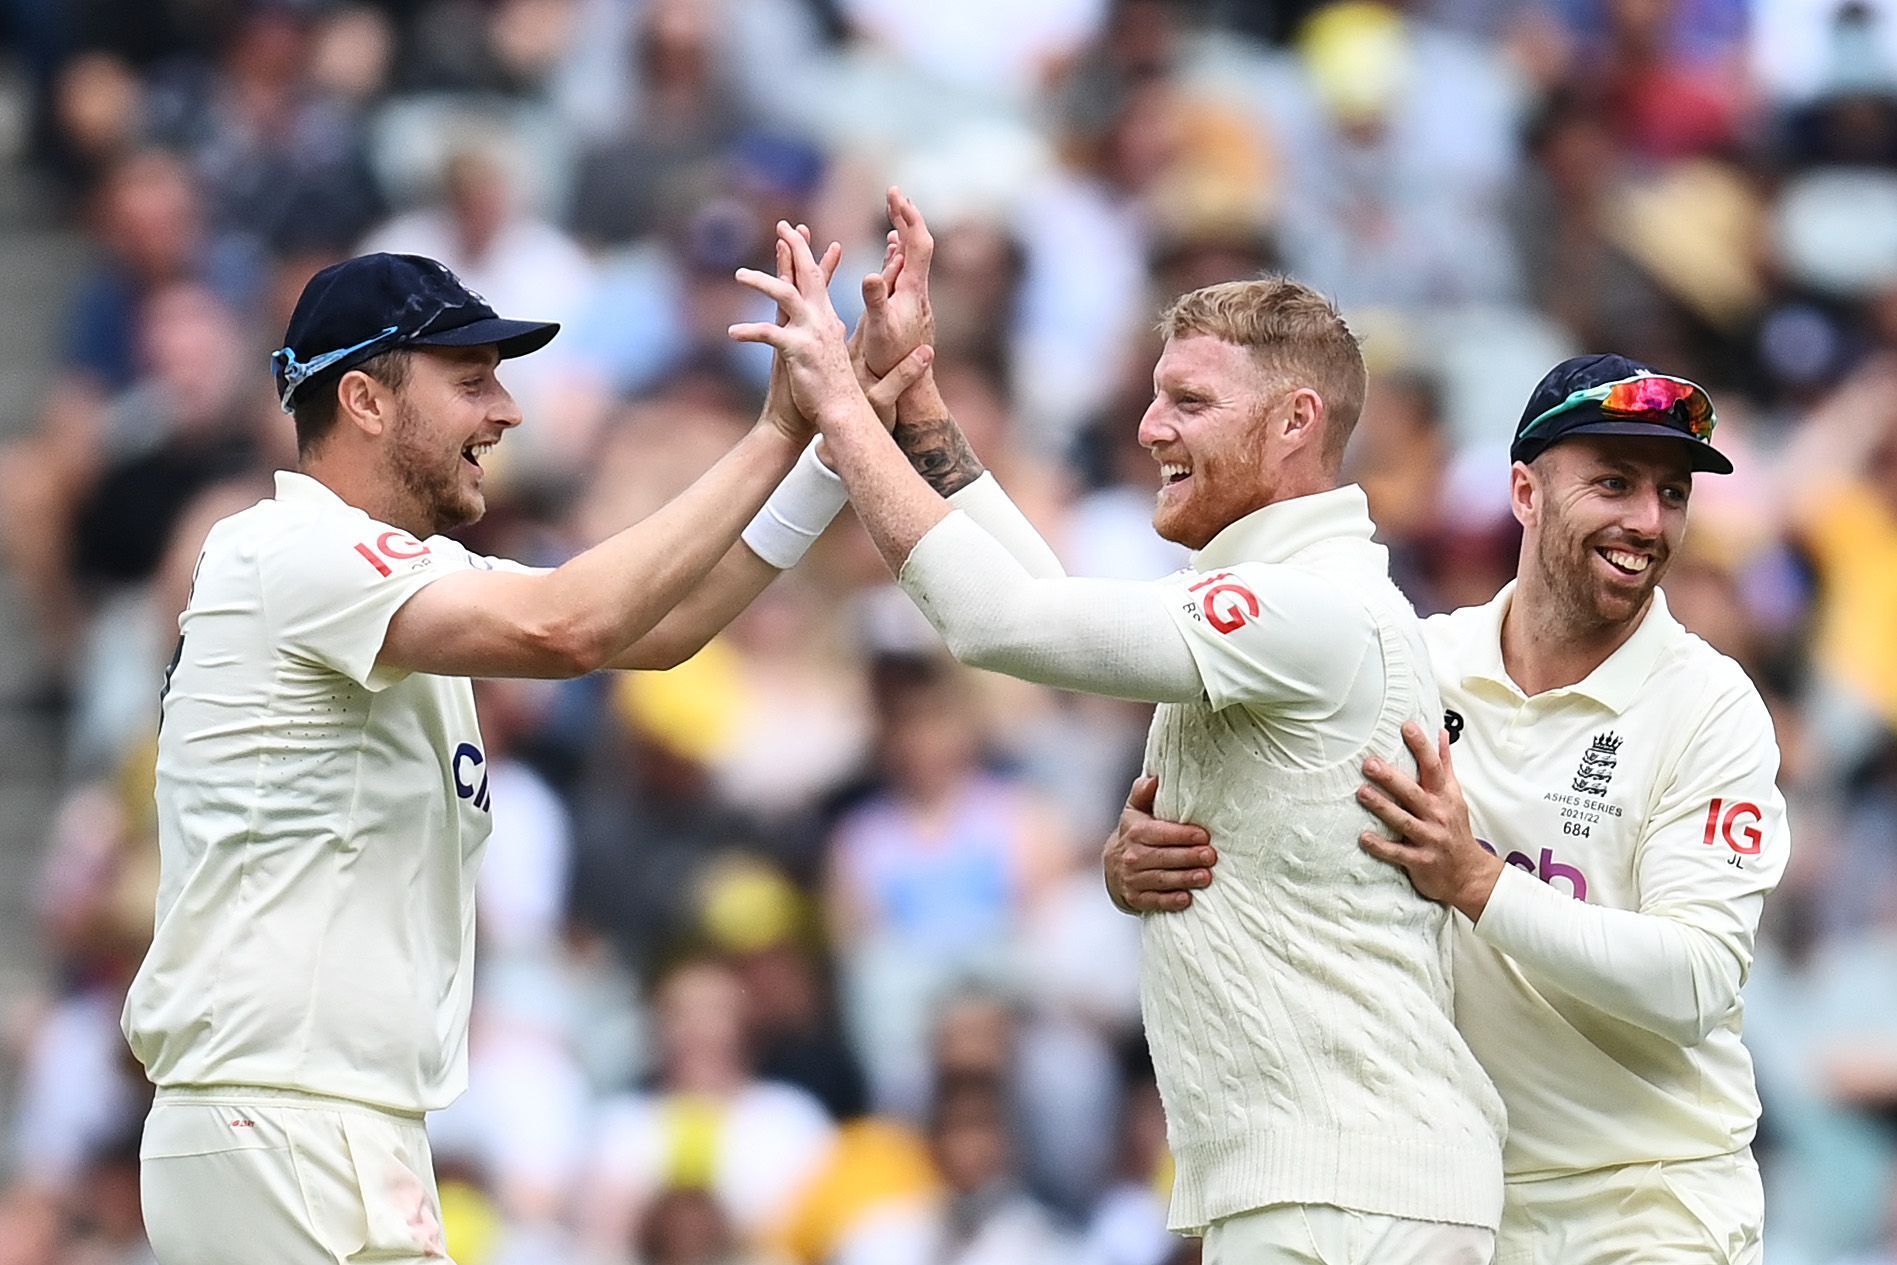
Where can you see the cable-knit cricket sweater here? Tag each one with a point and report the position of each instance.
(1300, 1013)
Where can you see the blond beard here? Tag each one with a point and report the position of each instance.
(434, 491)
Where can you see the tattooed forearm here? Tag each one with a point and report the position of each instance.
(940, 453)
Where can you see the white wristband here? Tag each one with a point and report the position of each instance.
(802, 506)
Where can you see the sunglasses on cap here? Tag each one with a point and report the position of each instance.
(1677, 402)
(293, 373)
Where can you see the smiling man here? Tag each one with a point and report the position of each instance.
(1608, 830)
(323, 801)
(1318, 1098)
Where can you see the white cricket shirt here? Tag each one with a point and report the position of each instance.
(1647, 787)
(320, 821)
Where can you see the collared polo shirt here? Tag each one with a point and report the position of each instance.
(320, 820)
(1648, 786)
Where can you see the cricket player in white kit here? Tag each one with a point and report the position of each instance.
(1609, 830)
(1301, 1024)
(323, 799)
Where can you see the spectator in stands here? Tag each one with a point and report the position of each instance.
(983, 1216)
(932, 876)
(708, 1122)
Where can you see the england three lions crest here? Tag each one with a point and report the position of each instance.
(1597, 765)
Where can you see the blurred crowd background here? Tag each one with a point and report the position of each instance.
(799, 952)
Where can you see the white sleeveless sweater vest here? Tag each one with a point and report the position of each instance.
(1300, 1012)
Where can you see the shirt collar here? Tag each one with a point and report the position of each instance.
(1285, 528)
(297, 488)
(1614, 684)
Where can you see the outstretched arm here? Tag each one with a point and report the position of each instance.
(1100, 636)
(796, 513)
(741, 574)
(576, 618)
(649, 596)
(1111, 637)
(898, 318)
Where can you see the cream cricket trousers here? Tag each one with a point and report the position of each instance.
(1686, 1212)
(235, 1175)
(1318, 1234)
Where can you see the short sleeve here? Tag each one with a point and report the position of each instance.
(482, 562)
(1717, 839)
(1270, 636)
(330, 590)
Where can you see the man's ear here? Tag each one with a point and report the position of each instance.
(1304, 416)
(1524, 493)
(362, 402)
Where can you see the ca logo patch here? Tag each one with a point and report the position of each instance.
(468, 762)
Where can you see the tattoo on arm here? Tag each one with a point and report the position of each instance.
(940, 453)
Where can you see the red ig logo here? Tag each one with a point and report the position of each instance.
(1733, 823)
(398, 545)
(1227, 603)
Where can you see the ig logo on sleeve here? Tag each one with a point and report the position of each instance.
(1225, 601)
(1737, 825)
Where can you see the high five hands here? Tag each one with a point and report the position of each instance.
(897, 317)
(813, 348)
(881, 386)
(778, 406)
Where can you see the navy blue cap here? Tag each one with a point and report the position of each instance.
(1689, 421)
(362, 307)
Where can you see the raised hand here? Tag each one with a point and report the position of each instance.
(779, 409)
(811, 341)
(897, 317)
